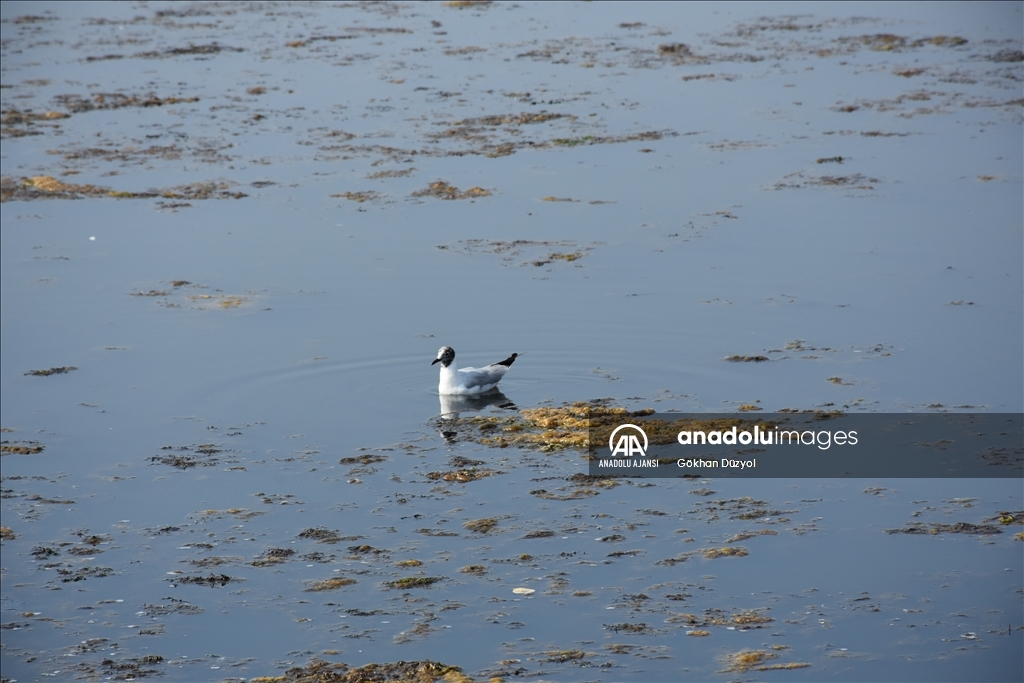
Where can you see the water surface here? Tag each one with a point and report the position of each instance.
(249, 227)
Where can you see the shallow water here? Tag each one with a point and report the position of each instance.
(838, 190)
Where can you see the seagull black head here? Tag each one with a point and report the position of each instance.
(445, 356)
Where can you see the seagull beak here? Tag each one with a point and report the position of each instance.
(436, 360)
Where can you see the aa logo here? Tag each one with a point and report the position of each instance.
(628, 444)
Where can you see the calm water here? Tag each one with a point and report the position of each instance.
(227, 218)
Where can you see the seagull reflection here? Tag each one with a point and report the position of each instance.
(452, 405)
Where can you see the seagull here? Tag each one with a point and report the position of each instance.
(469, 381)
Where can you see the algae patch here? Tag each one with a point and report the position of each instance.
(442, 189)
(21, 448)
(320, 671)
(51, 371)
(414, 582)
(330, 584)
(48, 187)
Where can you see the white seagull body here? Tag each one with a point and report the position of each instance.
(469, 381)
